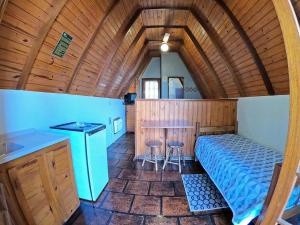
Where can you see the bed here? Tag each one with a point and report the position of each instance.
(242, 171)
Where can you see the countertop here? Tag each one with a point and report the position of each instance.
(26, 142)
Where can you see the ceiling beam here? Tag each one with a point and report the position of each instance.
(204, 89)
(139, 67)
(3, 4)
(207, 62)
(88, 44)
(249, 45)
(38, 42)
(116, 43)
(214, 38)
(128, 54)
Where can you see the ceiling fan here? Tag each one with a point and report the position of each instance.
(164, 45)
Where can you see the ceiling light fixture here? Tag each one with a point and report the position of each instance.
(164, 47)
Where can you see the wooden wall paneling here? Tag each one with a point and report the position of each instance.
(290, 168)
(206, 112)
(250, 47)
(57, 7)
(3, 4)
(262, 27)
(117, 43)
(89, 42)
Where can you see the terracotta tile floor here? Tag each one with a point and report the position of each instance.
(140, 196)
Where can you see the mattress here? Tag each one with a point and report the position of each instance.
(242, 170)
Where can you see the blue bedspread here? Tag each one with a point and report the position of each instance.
(241, 169)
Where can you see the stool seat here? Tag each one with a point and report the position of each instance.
(175, 144)
(153, 144)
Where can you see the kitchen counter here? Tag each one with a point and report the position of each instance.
(18, 144)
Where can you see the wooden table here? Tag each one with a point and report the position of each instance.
(165, 125)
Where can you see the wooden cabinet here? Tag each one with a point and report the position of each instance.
(130, 118)
(43, 186)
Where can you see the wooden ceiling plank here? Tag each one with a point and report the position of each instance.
(139, 68)
(213, 36)
(250, 46)
(207, 62)
(3, 4)
(34, 51)
(88, 44)
(202, 86)
(128, 54)
(117, 43)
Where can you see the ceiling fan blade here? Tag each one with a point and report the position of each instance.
(166, 37)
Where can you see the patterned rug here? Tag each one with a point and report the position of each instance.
(202, 194)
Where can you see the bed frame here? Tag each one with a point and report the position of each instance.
(233, 129)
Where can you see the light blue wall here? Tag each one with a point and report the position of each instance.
(265, 120)
(21, 110)
(171, 65)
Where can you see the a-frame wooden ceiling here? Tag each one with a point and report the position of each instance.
(232, 47)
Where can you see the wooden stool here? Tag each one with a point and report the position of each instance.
(154, 150)
(174, 145)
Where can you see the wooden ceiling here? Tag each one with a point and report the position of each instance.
(232, 47)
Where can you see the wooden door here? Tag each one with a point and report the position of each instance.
(130, 118)
(62, 179)
(31, 186)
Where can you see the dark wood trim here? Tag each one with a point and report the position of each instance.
(250, 46)
(35, 48)
(3, 4)
(214, 37)
(88, 44)
(117, 41)
(172, 77)
(191, 66)
(151, 79)
(207, 62)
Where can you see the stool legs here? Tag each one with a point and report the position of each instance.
(153, 151)
(167, 158)
(179, 159)
(169, 154)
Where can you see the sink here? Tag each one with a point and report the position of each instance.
(9, 147)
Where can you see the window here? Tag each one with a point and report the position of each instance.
(151, 88)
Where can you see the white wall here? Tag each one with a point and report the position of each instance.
(265, 120)
(21, 110)
(170, 65)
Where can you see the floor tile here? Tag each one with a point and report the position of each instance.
(165, 188)
(124, 164)
(146, 205)
(130, 174)
(123, 219)
(195, 221)
(117, 202)
(114, 172)
(160, 220)
(92, 216)
(171, 176)
(179, 188)
(150, 176)
(116, 185)
(221, 220)
(175, 206)
(137, 187)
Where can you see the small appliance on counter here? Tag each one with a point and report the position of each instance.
(88, 146)
(129, 98)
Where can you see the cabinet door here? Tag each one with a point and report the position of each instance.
(130, 118)
(62, 179)
(29, 181)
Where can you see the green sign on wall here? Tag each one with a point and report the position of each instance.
(62, 45)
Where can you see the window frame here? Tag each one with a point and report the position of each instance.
(144, 80)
